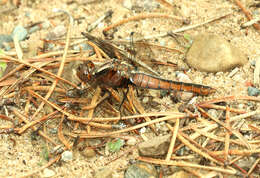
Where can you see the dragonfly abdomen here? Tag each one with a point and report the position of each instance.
(151, 82)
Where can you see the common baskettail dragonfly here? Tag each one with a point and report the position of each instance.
(119, 73)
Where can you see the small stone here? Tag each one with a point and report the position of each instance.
(211, 53)
(67, 156)
(83, 47)
(20, 32)
(104, 173)
(180, 174)
(252, 91)
(141, 170)
(214, 113)
(94, 142)
(89, 153)
(246, 162)
(127, 4)
(48, 172)
(57, 32)
(132, 141)
(4, 39)
(157, 146)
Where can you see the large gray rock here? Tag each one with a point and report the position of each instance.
(212, 53)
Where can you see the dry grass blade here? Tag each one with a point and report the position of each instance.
(247, 13)
(227, 138)
(61, 136)
(173, 139)
(24, 119)
(243, 116)
(141, 110)
(229, 98)
(60, 68)
(190, 145)
(166, 4)
(86, 120)
(37, 68)
(25, 75)
(228, 170)
(116, 96)
(215, 137)
(214, 106)
(107, 134)
(17, 46)
(236, 133)
(237, 152)
(31, 124)
(253, 167)
(93, 102)
(184, 28)
(140, 17)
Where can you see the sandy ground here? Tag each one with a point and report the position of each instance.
(25, 155)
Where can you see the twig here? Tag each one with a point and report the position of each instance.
(183, 28)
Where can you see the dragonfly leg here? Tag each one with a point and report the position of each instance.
(124, 98)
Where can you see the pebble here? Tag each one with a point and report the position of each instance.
(158, 146)
(252, 91)
(57, 32)
(4, 39)
(141, 170)
(104, 173)
(67, 156)
(180, 174)
(48, 172)
(212, 53)
(88, 153)
(214, 113)
(246, 162)
(131, 142)
(21, 33)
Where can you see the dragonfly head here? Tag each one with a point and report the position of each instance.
(85, 71)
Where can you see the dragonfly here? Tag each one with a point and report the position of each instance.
(119, 73)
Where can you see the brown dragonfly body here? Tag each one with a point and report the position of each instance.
(118, 74)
